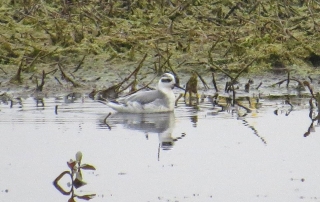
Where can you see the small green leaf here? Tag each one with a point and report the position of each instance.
(87, 197)
(71, 164)
(87, 167)
(79, 176)
(78, 156)
(78, 183)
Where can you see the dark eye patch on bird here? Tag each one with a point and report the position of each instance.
(166, 80)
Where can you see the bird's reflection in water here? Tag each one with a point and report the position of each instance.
(160, 123)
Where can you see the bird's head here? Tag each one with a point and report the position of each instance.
(166, 81)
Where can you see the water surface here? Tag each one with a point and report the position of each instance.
(193, 154)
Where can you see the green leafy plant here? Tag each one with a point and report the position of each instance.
(75, 174)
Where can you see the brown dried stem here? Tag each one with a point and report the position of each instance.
(67, 78)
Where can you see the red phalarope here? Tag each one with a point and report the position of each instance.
(160, 100)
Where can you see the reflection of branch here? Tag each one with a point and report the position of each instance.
(105, 121)
(291, 107)
(159, 152)
(317, 118)
(178, 98)
(289, 111)
(244, 107)
(254, 131)
(306, 83)
(309, 130)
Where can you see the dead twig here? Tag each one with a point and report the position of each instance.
(242, 70)
(79, 65)
(214, 82)
(28, 68)
(135, 72)
(175, 74)
(52, 72)
(17, 78)
(237, 6)
(203, 81)
(67, 78)
(58, 80)
(145, 86)
(39, 88)
(49, 53)
(293, 79)
(259, 85)
(221, 70)
(3, 71)
(288, 79)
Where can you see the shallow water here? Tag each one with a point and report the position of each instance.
(193, 154)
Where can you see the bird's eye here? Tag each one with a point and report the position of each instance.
(166, 80)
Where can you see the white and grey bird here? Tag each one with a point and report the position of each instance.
(160, 100)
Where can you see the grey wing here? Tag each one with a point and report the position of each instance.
(143, 97)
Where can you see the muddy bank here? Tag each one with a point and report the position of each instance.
(107, 35)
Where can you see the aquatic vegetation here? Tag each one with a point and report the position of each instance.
(65, 42)
(75, 173)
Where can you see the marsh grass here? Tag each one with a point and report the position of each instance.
(276, 34)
